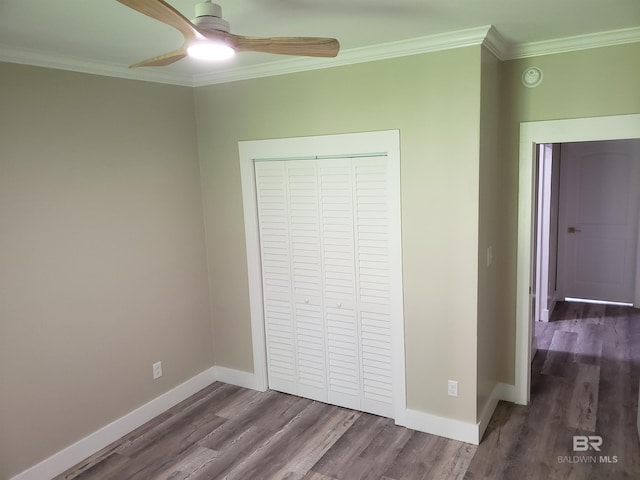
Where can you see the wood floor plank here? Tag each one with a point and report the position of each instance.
(311, 475)
(594, 313)
(350, 445)
(498, 442)
(106, 468)
(573, 311)
(583, 404)
(270, 413)
(177, 435)
(292, 451)
(195, 410)
(545, 418)
(238, 448)
(243, 403)
(418, 457)
(617, 412)
(374, 457)
(241, 436)
(544, 334)
(386, 446)
(589, 342)
(561, 356)
(192, 462)
(453, 462)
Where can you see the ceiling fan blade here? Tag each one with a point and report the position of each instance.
(162, 11)
(304, 46)
(162, 60)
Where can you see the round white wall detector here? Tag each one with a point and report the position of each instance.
(532, 77)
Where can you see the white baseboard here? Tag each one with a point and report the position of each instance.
(96, 441)
(553, 301)
(236, 377)
(507, 392)
(486, 414)
(544, 315)
(500, 390)
(441, 426)
(456, 429)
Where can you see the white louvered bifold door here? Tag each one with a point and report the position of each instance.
(324, 238)
(291, 276)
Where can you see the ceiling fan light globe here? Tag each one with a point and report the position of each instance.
(210, 51)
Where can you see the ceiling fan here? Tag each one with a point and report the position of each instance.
(208, 36)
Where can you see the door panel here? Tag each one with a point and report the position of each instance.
(600, 182)
(304, 213)
(373, 274)
(273, 214)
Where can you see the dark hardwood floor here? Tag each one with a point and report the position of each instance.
(584, 382)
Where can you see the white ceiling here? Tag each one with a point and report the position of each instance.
(104, 36)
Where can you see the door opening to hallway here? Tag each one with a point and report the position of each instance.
(533, 134)
(587, 211)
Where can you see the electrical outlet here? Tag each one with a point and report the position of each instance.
(452, 388)
(157, 370)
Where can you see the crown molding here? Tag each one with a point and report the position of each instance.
(572, 44)
(487, 36)
(496, 44)
(32, 57)
(414, 46)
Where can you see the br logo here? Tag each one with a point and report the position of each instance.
(582, 443)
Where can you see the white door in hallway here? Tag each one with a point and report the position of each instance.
(598, 235)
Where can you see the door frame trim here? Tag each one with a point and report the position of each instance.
(616, 127)
(385, 142)
(544, 195)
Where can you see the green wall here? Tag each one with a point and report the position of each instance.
(492, 305)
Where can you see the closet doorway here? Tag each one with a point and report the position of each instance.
(322, 224)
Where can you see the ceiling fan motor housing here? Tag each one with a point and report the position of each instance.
(209, 17)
